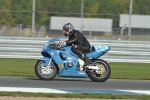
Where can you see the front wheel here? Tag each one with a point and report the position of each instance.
(45, 73)
(102, 73)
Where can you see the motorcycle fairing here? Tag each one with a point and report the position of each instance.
(71, 71)
(54, 54)
(98, 51)
(63, 57)
(68, 49)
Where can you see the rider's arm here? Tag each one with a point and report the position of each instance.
(73, 40)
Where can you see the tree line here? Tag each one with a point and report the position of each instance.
(20, 11)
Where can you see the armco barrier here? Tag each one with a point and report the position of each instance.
(30, 48)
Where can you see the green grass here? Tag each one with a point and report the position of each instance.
(22, 67)
(84, 95)
(17, 67)
(130, 71)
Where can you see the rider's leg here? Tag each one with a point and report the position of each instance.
(83, 56)
(86, 60)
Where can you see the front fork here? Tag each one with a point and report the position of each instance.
(49, 62)
(47, 69)
(46, 60)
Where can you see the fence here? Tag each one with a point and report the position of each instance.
(31, 18)
(30, 48)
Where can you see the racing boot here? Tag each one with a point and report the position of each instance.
(86, 61)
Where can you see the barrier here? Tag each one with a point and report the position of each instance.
(30, 48)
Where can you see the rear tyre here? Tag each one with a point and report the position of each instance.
(102, 74)
(45, 73)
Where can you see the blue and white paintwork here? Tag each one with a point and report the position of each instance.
(66, 52)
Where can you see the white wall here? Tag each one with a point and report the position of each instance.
(137, 21)
(87, 24)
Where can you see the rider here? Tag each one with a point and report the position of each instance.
(79, 43)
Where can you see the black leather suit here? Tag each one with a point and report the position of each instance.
(81, 45)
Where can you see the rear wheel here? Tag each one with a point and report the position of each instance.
(102, 73)
(45, 73)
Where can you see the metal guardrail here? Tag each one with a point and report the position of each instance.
(30, 48)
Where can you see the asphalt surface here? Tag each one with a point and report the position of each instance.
(77, 85)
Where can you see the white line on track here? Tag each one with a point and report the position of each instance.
(48, 90)
(146, 92)
(33, 90)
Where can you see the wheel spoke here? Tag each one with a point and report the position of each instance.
(102, 73)
(43, 72)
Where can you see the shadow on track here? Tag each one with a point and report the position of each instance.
(61, 79)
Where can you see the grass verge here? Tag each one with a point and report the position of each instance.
(84, 95)
(22, 67)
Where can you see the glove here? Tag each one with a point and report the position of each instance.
(61, 44)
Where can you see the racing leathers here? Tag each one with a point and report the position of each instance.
(80, 45)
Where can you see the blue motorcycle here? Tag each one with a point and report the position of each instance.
(60, 60)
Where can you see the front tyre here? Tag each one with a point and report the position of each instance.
(103, 72)
(45, 73)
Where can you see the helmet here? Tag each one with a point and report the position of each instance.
(67, 28)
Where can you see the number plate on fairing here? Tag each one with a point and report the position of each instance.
(100, 48)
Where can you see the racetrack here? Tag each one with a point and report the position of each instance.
(74, 85)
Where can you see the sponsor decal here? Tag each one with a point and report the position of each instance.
(81, 72)
(100, 48)
(69, 58)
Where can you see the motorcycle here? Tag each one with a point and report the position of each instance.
(60, 60)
